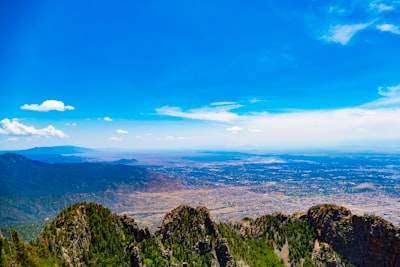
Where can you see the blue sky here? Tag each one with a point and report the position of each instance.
(200, 74)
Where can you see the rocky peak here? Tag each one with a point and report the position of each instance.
(187, 231)
(362, 240)
(184, 222)
(84, 230)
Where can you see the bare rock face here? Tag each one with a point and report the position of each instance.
(139, 233)
(75, 238)
(135, 257)
(224, 256)
(362, 240)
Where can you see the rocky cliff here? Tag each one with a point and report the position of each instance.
(362, 240)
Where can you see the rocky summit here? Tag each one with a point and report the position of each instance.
(88, 234)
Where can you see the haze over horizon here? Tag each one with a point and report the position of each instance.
(200, 75)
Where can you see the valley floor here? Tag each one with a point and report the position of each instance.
(236, 202)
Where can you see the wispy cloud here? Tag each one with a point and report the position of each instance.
(114, 138)
(234, 129)
(390, 99)
(255, 100)
(388, 28)
(120, 131)
(372, 122)
(318, 128)
(107, 118)
(14, 127)
(343, 33)
(47, 106)
(220, 113)
(71, 124)
(336, 10)
(380, 7)
(390, 91)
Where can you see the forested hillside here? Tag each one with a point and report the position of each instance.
(88, 234)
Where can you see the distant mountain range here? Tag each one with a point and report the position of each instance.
(88, 234)
(54, 154)
(30, 188)
(67, 154)
(54, 150)
(22, 176)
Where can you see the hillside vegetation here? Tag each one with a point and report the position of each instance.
(88, 234)
(33, 190)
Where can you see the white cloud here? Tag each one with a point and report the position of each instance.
(14, 127)
(114, 138)
(120, 131)
(47, 106)
(256, 100)
(12, 139)
(234, 129)
(107, 118)
(319, 128)
(336, 10)
(390, 99)
(380, 7)
(71, 124)
(391, 91)
(220, 113)
(388, 28)
(343, 33)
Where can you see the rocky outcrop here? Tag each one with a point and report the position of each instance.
(135, 257)
(224, 256)
(139, 233)
(193, 230)
(185, 222)
(89, 232)
(73, 235)
(362, 240)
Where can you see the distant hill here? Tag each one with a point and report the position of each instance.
(35, 188)
(88, 234)
(54, 150)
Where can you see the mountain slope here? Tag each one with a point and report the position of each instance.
(88, 234)
(22, 176)
(32, 190)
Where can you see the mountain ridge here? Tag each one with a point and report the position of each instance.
(33, 177)
(55, 154)
(33, 190)
(90, 234)
(67, 149)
